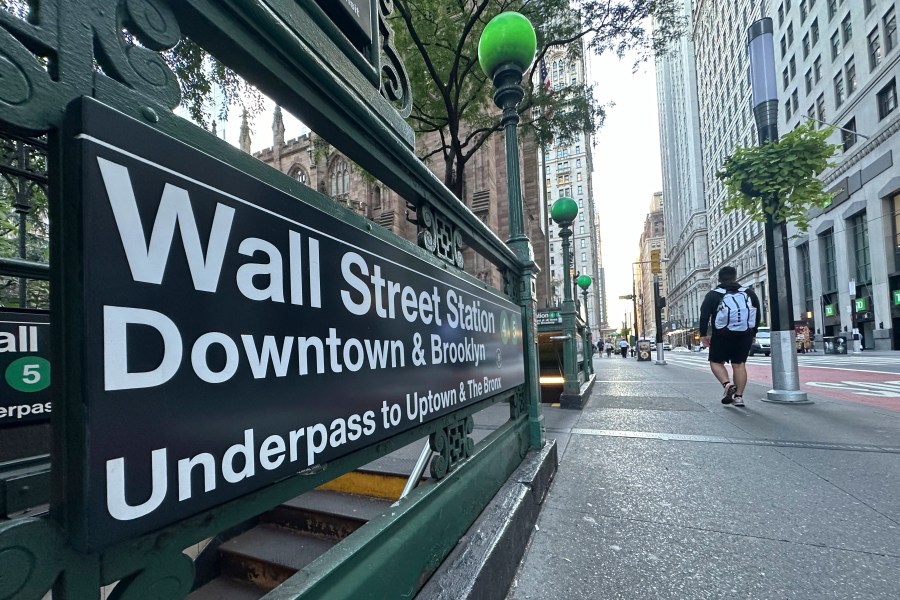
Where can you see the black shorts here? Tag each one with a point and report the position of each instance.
(730, 347)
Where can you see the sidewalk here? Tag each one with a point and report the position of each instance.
(663, 492)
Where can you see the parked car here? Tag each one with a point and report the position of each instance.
(762, 343)
(667, 346)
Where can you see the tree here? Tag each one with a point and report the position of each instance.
(438, 40)
(780, 178)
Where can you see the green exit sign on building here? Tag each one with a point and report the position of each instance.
(861, 304)
(829, 310)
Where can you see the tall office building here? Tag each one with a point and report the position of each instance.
(653, 239)
(838, 62)
(687, 250)
(726, 122)
(567, 169)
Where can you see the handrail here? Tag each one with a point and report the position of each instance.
(416, 474)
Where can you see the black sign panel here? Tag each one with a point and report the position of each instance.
(549, 317)
(234, 335)
(353, 17)
(25, 395)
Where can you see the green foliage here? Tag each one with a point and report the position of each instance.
(780, 178)
(452, 98)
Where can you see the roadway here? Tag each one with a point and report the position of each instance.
(871, 378)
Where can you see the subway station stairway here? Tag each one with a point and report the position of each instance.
(263, 553)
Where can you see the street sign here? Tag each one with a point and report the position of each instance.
(655, 262)
(25, 393)
(353, 17)
(231, 335)
(548, 317)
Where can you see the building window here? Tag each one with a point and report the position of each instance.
(790, 34)
(795, 102)
(817, 68)
(847, 29)
(860, 230)
(832, 8)
(829, 267)
(803, 11)
(785, 80)
(814, 31)
(803, 252)
(583, 243)
(850, 71)
(809, 81)
(874, 42)
(806, 45)
(300, 175)
(835, 45)
(781, 15)
(869, 5)
(792, 64)
(581, 229)
(838, 89)
(783, 46)
(584, 257)
(890, 30)
(787, 110)
(340, 178)
(887, 99)
(848, 134)
(895, 201)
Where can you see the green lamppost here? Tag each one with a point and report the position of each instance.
(584, 282)
(505, 51)
(563, 213)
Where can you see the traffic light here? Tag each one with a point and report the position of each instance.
(654, 262)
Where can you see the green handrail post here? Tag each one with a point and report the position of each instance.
(584, 282)
(563, 213)
(505, 51)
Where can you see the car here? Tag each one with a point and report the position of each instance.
(762, 343)
(667, 347)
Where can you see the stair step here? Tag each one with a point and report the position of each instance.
(327, 514)
(268, 554)
(226, 588)
(369, 483)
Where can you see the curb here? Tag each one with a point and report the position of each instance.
(486, 559)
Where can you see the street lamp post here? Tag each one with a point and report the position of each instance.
(563, 212)
(584, 282)
(785, 374)
(505, 51)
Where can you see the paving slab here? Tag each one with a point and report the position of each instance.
(729, 488)
(581, 556)
(689, 422)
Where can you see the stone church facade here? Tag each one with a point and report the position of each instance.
(311, 161)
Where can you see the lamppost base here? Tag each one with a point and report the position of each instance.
(787, 397)
(660, 362)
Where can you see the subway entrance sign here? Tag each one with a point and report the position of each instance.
(259, 334)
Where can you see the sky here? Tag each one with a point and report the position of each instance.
(627, 167)
(627, 170)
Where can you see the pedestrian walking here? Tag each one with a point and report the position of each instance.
(600, 348)
(623, 348)
(609, 349)
(735, 313)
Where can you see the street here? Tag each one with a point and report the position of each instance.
(867, 378)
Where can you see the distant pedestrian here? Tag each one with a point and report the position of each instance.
(609, 349)
(735, 313)
(623, 348)
(600, 348)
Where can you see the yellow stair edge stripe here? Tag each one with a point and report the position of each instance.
(361, 483)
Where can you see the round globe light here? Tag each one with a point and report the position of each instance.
(564, 211)
(584, 281)
(508, 38)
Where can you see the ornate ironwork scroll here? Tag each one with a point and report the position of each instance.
(70, 48)
(518, 404)
(512, 285)
(394, 79)
(439, 236)
(452, 445)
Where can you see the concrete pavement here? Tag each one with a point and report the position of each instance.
(663, 492)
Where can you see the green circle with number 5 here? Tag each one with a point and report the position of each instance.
(28, 374)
